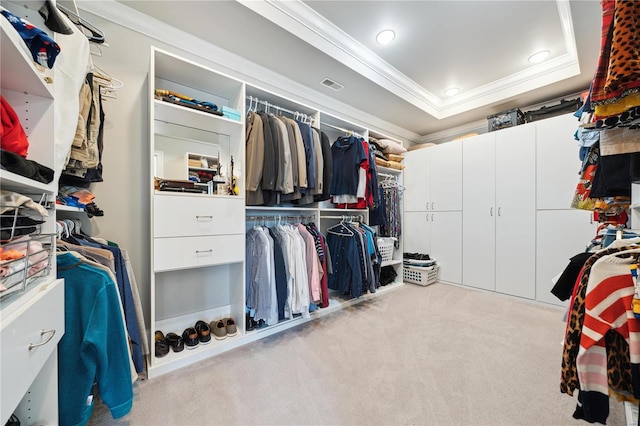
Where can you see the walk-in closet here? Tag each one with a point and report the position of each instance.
(291, 212)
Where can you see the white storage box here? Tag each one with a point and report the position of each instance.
(421, 275)
(385, 246)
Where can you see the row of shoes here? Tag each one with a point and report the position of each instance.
(199, 334)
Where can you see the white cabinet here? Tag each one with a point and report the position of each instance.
(433, 223)
(479, 213)
(557, 162)
(417, 237)
(518, 231)
(438, 234)
(198, 239)
(445, 177)
(515, 211)
(445, 229)
(499, 211)
(561, 234)
(434, 178)
(417, 194)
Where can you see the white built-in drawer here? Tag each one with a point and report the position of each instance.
(191, 252)
(27, 338)
(181, 216)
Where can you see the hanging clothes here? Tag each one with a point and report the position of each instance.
(126, 294)
(352, 263)
(94, 346)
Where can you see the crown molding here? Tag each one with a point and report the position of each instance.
(308, 25)
(230, 63)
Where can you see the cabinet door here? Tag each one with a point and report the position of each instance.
(557, 162)
(446, 176)
(416, 179)
(478, 215)
(446, 244)
(561, 234)
(415, 235)
(516, 211)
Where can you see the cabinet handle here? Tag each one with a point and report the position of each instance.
(491, 211)
(431, 217)
(427, 205)
(51, 333)
(432, 208)
(198, 252)
(205, 217)
(591, 218)
(427, 217)
(499, 211)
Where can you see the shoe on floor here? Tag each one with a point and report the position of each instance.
(175, 342)
(230, 324)
(162, 347)
(204, 332)
(220, 330)
(190, 338)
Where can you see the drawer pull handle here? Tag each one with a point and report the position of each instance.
(205, 217)
(51, 333)
(198, 252)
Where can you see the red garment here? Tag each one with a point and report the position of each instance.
(12, 135)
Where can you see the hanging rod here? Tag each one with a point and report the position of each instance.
(349, 132)
(388, 175)
(267, 105)
(343, 217)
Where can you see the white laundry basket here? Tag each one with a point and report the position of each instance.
(419, 275)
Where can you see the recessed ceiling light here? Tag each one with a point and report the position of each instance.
(452, 91)
(385, 36)
(539, 57)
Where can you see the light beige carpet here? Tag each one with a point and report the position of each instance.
(437, 355)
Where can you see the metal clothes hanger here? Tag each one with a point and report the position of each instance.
(97, 35)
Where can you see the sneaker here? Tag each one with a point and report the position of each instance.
(204, 332)
(220, 330)
(190, 338)
(230, 324)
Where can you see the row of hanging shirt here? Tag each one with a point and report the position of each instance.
(601, 351)
(287, 268)
(355, 258)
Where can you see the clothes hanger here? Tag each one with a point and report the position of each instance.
(97, 35)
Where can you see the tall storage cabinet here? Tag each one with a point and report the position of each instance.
(515, 211)
(32, 320)
(519, 229)
(198, 239)
(433, 223)
(499, 211)
(479, 214)
(562, 232)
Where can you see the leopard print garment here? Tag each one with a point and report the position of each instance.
(619, 366)
(569, 375)
(618, 73)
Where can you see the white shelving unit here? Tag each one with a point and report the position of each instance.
(198, 248)
(198, 239)
(32, 320)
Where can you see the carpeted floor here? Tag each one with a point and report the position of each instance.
(437, 355)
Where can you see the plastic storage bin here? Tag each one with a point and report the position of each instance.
(385, 246)
(423, 276)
